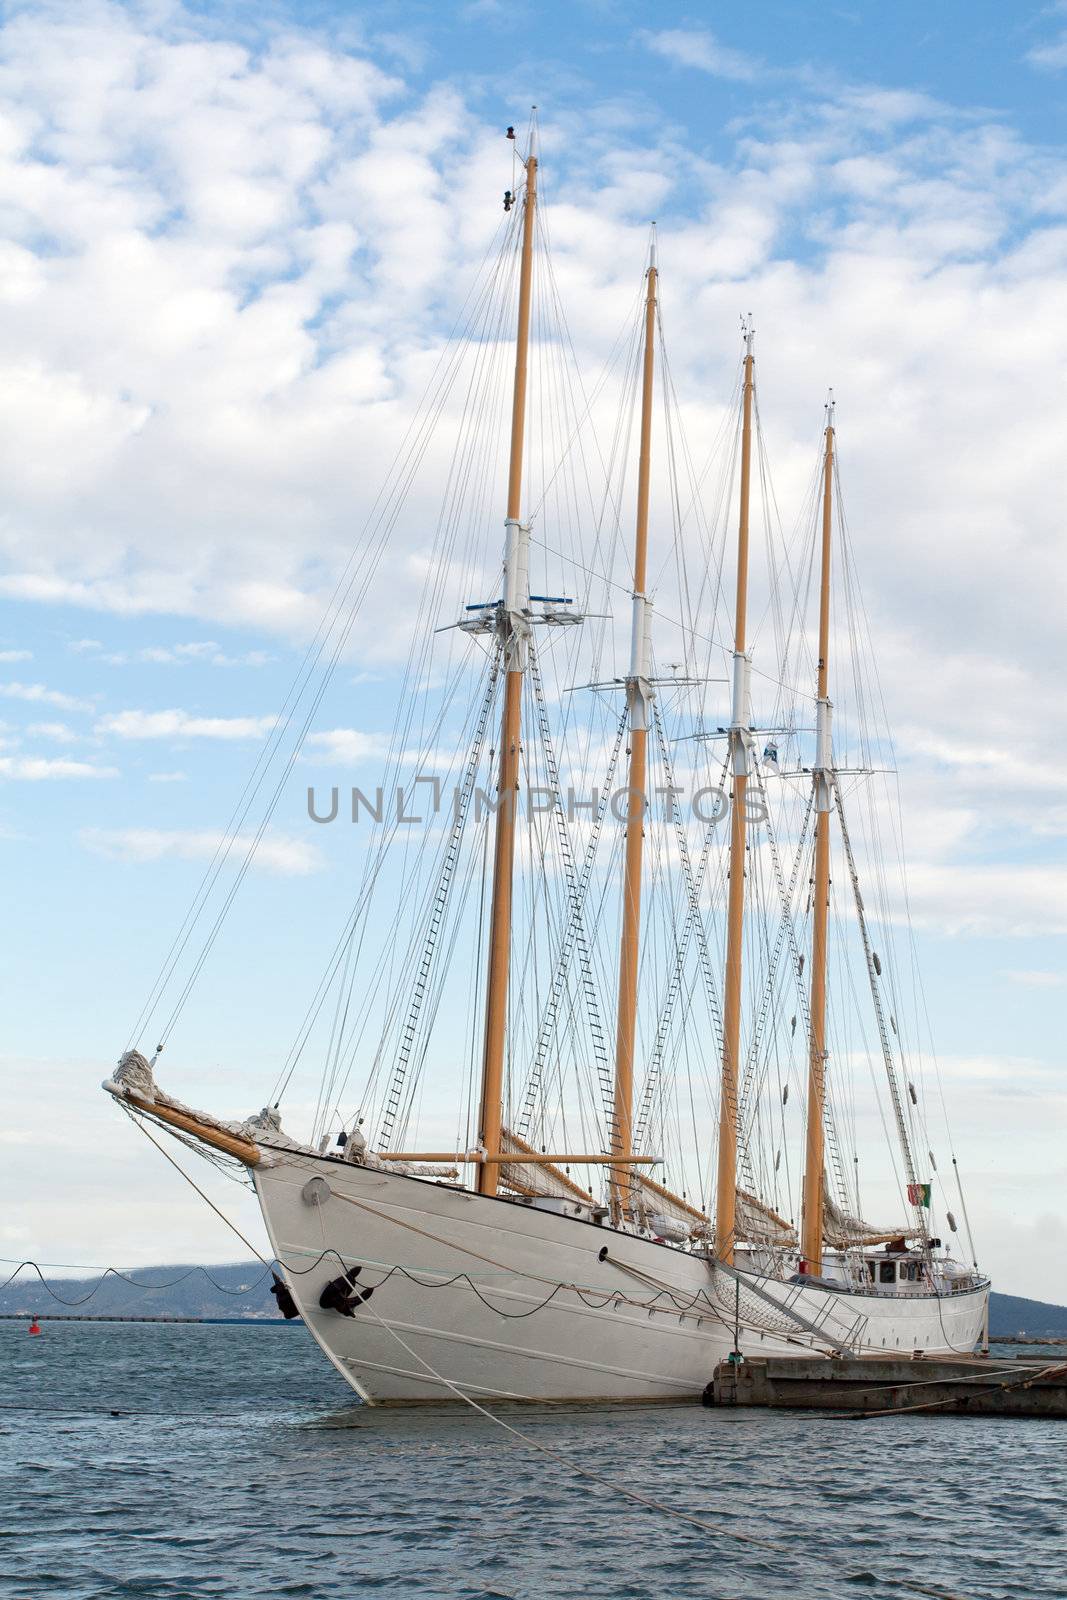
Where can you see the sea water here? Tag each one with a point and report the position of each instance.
(182, 1461)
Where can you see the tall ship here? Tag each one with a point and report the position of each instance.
(625, 1016)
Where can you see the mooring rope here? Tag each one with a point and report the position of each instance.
(616, 1488)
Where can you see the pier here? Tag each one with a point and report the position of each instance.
(67, 1316)
(877, 1385)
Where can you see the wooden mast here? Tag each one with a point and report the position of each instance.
(514, 630)
(726, 1184)
(637, 695)
(822, 779)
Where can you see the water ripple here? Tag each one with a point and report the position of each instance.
(194, 1462)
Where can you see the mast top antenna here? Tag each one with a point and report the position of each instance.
(748, 331)
(652, 247)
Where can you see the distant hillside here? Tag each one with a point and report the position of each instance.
(1010, 1314)
(243, 1290)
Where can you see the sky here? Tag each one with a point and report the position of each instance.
(232, 235)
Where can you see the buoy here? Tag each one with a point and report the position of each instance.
(35, 1326)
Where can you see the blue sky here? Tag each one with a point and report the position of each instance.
(230, 235)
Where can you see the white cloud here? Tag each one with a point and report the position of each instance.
(990, 899)
(40, 768)
(275, 852)
(1051, 56)
(167, 777)
(58, 732)
(1037, 979)
(16, 655)
(696, 47)
(37, 693)
(196, 650)
(205, 651)
(177, 724)
(346, 746)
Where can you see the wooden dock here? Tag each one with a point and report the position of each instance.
(878, 1385)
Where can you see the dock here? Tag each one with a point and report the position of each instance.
(878, 1385)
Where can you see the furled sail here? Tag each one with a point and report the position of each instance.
(133, 1080)
(667, 1213)
(535, 1178)
(756, 1222)
(841, 1231)
(759, 1223)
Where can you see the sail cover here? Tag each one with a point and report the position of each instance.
(536, 1178)
(759, 1223)
(756, 1222)
(842, 1232)
(662, 1202)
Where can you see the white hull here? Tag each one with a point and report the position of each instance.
(505, 1300)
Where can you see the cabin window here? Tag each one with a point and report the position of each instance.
(887, 1272)
(870, 1269)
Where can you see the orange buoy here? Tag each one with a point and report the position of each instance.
(35, 1326)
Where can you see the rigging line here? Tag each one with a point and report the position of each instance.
(460, 476)
(678, 445)
(433, 1000)
(624, 334)
(264, 824)
(138, 1121)
(632, 322)
(573, 931)
(451, 516)
(440, 378)
(787, 926)
(438, 906)
(574, 935)
(655, 1078)
(691, 886)
(662, 616)
(366, 891)
(727, 427)
(887, 1053)
(963, 1207)
(386, 522)
(876, 693)
(653, 1074)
